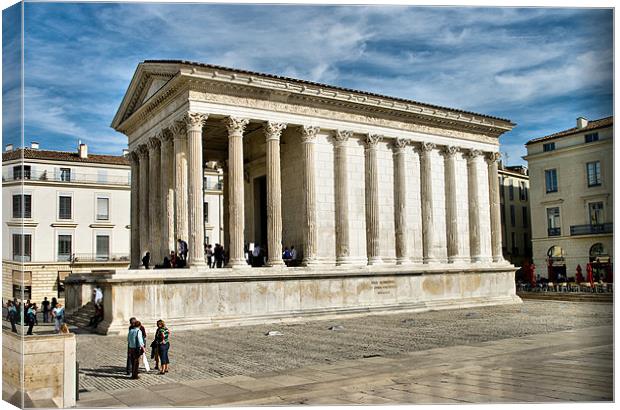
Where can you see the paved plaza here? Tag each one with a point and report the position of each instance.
(539, 351)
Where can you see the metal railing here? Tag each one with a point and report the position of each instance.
(591, 229)
(94, 257)
(554, 231)
(85, 178)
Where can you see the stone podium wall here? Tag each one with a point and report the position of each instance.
(48, 376)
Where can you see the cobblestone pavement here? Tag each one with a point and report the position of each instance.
(246, 351)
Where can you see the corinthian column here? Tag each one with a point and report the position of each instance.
(400, 201)
(195, 193)
(496, 224)
(342, 197)
(236, 224)
(180, 179)
(143, 156)
(167, 192)
(474, 208)
(308, 140)
(452, 231)
(273, 131)
(373, 231)
(426, 195)
(154, 199)
(226, 219)
(135, 210)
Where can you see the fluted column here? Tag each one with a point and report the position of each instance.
(236, 211)
(426, 195)
(494, 201)
(308, 140)
(273, 131)
(195, 193)
(167, 192)
(226, 220)
(180, 180)
(135, 210)
(155, 200)
(400, 201)
(373, 231)
(474, 208)
(143, 156)
(452, 231)
(343, 255)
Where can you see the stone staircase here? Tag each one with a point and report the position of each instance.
(81, 317)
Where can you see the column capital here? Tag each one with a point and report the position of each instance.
(143, 151)
(472, 154)
(273, 130)
(235, 126)
(341, 136)
(133, 156)
(179, 129)
(373, 140)
(154, 142)
(195, 120)
(400, 144)
(492, 157)
(425, 148)
(450, 151)
(165, 135)
(308, 133)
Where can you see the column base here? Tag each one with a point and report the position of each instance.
(311, 263)
(456, 259)
(198, 264)
(430, 261)
(347, 261)
(375, 260)
(403, 261)
(276, 263)
(237, 264)
(477, 259)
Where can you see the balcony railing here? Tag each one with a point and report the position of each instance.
(85, 178)
(94, 257)
(591, 229)
(554, 231)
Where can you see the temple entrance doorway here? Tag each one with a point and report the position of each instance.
(260, 211)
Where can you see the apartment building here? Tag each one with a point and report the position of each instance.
(571, 197)
(514, 184)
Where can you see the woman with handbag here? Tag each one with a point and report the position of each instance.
(161, 337)
(155, 351)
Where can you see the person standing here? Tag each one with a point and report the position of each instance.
(293, 256)
(146, 260)
(161, 336)
(132, 322)
(209, 253)
(31, 315)
(98, 295)
(135, 345)
(12, 315)
(46, 310)
(182, 245)
(58, 313)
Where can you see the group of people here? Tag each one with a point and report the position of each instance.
(257, 256)
(26, 313)
(174, 260)
(216, 256)
(136, 347)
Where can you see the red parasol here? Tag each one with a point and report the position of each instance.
(579, 276)
(589, 274)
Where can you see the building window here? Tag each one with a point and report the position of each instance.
(21, 172)
(526, 245)
(60, 283)
(103, 209)
(22, 206)
(64, 248)
(65, 174)
(22, 247)
(103, 247)
(64, 207)
(503, 213)
(551, 180)
(591, 137)
(596, 213)
(512, 215)
(522, 191)
(22, 292)
(513, 239)
(553, 221)
(524, 210)
(511, 192)
(206, 212)
(501, 187)
(549, 147)
(594, 173)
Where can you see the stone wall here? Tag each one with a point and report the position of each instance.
(48, 375)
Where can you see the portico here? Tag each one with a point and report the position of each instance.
(360, 184)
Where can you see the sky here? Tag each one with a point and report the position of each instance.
(539, 67)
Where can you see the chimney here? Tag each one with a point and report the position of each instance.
(125, 152)
(9, 148)
(34, 145)
(582, 122)
(83, 151)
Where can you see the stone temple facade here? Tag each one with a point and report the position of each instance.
(393, 204)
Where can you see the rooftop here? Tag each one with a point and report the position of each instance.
(29, 153)
(592, 125)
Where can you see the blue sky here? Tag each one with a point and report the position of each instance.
(539, 67)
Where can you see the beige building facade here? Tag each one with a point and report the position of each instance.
(514, 188)
(571, 176)
(393, 204)
(63, 213)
